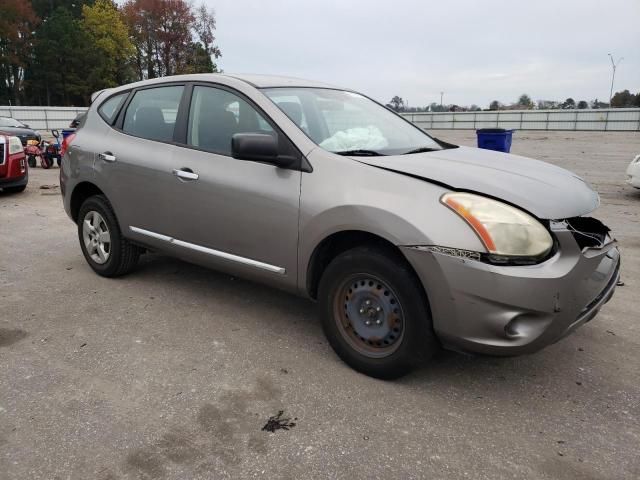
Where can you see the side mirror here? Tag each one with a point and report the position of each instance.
(258, 147)
(55, 133)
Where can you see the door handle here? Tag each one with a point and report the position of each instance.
(185, 174)
(107, 157)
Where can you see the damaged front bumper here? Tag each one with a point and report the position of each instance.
(512, 310)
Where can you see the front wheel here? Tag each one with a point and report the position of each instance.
(375, 313)
(31, 161)
(107, 252)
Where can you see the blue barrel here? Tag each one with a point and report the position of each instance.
(497, 139)
(67, 131)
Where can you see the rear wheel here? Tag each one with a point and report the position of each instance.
(375, 313)
(31, 161)
(45, 162)
(108, 253)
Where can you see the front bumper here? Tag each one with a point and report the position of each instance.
(512, 310)
(14, 181)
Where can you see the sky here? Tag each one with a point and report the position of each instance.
(474, 51)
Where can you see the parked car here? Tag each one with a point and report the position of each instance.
(11, 126)
(405, 241)
(14, 173)
(75, 123)
(633, 172)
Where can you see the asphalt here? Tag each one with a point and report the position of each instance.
(173, 371)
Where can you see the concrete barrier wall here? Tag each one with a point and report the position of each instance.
(617, 119)
(42, 118)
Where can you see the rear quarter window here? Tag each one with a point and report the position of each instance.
(109, 109)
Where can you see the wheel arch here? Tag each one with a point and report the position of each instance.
(80, 193)
(338, 242)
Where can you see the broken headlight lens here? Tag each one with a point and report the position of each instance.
(503, 229)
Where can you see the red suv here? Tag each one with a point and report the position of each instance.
(14, 173)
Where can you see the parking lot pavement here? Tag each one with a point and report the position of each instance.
(172, 371)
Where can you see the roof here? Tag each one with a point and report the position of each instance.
(266, 81)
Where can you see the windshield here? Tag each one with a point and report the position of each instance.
(10, 122)
(349, 123)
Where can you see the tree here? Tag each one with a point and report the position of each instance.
(525, 101)
(204, 26)
(17, 22)
(582, 104)
(397, 103)
(569, 103)
(59, 70)
(495, 105)
(112, 51)
(163, 34)
(624, 99)
(598, 104)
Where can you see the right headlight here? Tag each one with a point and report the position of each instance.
(503, 229)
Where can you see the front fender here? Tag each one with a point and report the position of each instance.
(344, 195)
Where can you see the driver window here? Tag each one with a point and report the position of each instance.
(216, 115)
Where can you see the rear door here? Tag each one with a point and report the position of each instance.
(138, 158)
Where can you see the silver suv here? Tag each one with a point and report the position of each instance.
(406, 242)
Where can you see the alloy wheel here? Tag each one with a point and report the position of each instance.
(96, 237)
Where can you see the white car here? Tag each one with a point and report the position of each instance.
(633, 172)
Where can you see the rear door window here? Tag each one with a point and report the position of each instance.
(109, 109)
(152, 113)
(216, 115)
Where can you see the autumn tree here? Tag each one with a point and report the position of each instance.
(170, 38)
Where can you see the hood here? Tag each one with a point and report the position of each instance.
(546, 191)
(23, 133)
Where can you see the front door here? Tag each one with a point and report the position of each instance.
(237, 215)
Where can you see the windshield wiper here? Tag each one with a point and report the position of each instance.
(422, 150)
(361, 153)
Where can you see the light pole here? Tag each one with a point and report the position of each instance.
(441, 94)
(614, 65)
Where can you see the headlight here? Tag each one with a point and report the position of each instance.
(503, 229)
(15, 146)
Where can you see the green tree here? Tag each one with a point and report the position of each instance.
(60, 69)
(397, 103)
(17, 22)
(569, 103)
(525, 101)
(624, 99)
(111, 53)
(495, 105)
(582, 104)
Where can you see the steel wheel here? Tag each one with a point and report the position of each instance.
(369, 316)
(96, 237)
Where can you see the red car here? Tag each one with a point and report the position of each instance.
(14, 173)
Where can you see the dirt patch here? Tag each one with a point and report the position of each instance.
(9, 337)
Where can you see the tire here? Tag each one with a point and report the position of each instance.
(45, 162)
(15, 189)
(120, 257)
(31, 161)
(399, 335)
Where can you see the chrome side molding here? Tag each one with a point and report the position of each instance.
(210, 251)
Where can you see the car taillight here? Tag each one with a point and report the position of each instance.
(66, 143)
